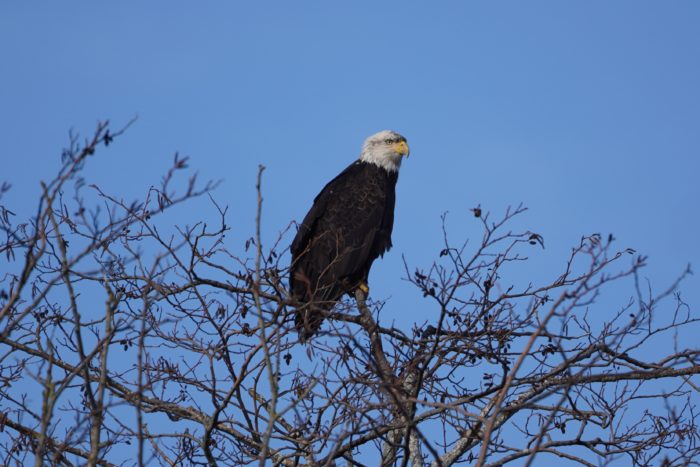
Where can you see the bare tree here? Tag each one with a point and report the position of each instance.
(124, 339)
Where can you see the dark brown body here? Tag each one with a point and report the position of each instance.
(347, 228)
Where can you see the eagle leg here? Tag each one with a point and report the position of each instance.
(364, 287)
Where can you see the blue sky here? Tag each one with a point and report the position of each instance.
(587, 112)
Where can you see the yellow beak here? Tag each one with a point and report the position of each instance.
(401, 148)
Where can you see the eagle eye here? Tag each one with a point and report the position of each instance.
(388, 141)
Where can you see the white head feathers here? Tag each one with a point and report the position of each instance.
(385, 149)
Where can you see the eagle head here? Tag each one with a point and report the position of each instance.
(385, 149)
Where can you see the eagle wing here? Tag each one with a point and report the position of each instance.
(348, 226)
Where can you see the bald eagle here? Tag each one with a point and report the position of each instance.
(346, 229)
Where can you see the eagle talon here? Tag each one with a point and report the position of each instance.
(364, 287)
